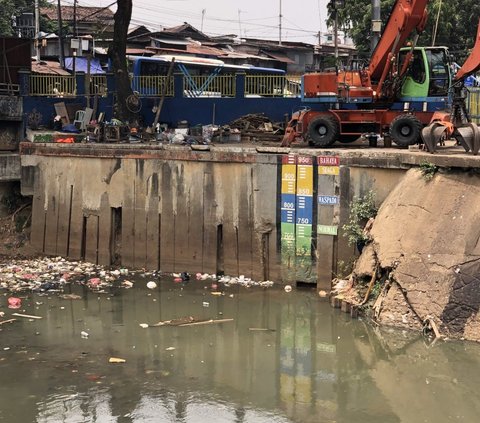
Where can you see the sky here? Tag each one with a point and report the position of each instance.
(258, 18)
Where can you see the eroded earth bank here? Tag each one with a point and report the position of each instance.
(425, 253)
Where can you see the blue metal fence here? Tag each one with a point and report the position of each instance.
(473, 103)
(234, 100)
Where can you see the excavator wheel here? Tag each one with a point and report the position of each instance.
(323, 130)
(405, 130)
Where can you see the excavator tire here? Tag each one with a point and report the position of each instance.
(405, 130)
(323, 131)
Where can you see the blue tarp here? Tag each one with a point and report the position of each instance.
(81, 65)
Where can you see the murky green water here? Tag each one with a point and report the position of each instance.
(313, 364)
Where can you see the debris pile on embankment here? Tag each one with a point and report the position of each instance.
(425, 252)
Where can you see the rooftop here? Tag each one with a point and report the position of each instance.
(84, 14)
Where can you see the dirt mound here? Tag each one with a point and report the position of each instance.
(426, 241)
(15, 234)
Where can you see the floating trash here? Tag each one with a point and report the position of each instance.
(151, 285)
(14, 302)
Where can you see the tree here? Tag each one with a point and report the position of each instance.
(118, 55)
(457, 25)
(12, 8)
(9, 10)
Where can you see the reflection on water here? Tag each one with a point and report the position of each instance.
(304, 362)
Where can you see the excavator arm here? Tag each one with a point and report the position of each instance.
(406, 16)
(457, 123)
(472, 64)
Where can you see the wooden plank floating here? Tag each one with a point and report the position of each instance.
(26, 316)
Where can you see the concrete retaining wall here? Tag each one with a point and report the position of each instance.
(177, 209)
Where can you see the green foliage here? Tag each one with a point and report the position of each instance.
(8, 11)
(12, 8)
(376, 290)
(428, 170)
(361, 210)
(456, 29)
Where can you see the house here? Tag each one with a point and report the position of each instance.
(291, 56)
(93, 21)
(187, 40)
(94, 25)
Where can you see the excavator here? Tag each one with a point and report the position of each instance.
(456, 123)
(399, 92)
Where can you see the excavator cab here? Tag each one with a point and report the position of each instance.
(429, 73)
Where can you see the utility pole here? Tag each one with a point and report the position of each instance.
(203, 18)
(37, 29)
(337, 4)
(280, 16)
(335, 36)
(60, 34)
(75, 18)
(376, 24)
(239, 25)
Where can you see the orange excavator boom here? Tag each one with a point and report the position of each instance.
(406, 16)
(472, 64)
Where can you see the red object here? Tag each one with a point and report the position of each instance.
(94, 281)
(14, 302)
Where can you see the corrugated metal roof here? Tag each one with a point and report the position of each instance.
(171, 41)
(85, 14)
(192, 49)
(48, 67)
(278, 56)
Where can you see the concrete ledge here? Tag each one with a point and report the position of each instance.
(386, 158)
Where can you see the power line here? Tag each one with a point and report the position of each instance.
(169, 15)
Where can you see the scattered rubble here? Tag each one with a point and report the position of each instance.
(256, 122)
(258, 127)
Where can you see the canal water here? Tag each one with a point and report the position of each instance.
(285, 357)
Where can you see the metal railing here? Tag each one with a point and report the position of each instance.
(98, 85)
(152, 86)
(473, 104)
(52, 86)
(209, 86)
(273, 85)
(9, 89)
